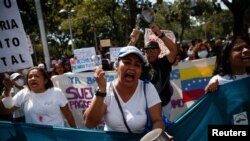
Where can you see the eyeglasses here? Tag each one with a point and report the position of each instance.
(151, 50)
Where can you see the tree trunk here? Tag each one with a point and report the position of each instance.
(182, 32)
(238, 8)
(238, 28)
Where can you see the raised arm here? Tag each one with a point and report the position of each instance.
(168, 42)
(6, 102)
(134, 36)
(96, 110)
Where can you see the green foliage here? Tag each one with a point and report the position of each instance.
(215, 25)
(114, 19)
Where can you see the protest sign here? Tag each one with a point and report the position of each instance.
(85, 59)
(114, 52)
(150, 36)
(14, 48)
(79, 88)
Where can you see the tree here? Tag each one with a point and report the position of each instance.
(179, 13)
(115, 19)
(29, 18)
(219, 25)
(238, 9)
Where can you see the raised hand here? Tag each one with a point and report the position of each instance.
(99, 75)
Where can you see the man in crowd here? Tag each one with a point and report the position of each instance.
(157, 70)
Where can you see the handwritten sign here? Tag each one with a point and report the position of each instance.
(79, 88)
(150, 36)
(114, 52)
(14, 49)
(84, 59)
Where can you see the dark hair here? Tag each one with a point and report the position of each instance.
(196, 49)
(222, 66)
(57, 65)
(49, 83)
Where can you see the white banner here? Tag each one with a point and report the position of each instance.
(79, 88)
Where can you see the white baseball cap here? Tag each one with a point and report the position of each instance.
(131, 50)
(14, 75)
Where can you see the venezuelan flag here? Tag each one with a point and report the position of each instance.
(229, 107)
(194, 78)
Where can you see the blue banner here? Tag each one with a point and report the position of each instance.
(230, 105)
(30, 132)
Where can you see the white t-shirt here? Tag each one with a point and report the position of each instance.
(226, 78)
(42, 108)
(19, 112)
(134, 109)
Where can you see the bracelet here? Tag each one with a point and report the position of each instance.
(162, 35)
(98, 93)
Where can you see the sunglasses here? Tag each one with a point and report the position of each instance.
(151, 50)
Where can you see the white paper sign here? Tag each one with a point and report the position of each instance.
(114, 52)
(150, 36)
(14, 50)
(84, 59)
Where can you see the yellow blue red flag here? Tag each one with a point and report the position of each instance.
(189, 80)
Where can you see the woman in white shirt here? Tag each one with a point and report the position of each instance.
(43, 103)
(130, 93)
(232, 63)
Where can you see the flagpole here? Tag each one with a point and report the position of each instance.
(43, 34)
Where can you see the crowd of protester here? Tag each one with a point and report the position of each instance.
(132, 65)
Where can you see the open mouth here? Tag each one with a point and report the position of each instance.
(33, 84)
(129, 76)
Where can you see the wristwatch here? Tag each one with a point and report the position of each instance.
(101, 94)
